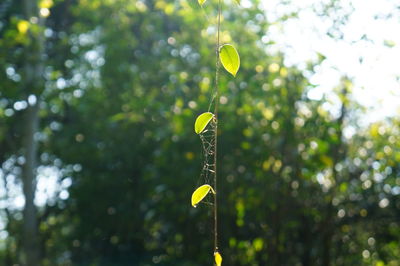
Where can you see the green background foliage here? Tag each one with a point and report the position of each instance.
(123, 84)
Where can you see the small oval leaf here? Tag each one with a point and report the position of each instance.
(229, 58)
(202, 121)
(201, 2)
(218, 258)
(200, 193)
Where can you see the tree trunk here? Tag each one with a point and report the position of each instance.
(30, 227)
(32, 86)
(338, 155)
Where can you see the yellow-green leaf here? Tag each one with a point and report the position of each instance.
(202, 121)
(200, 193)
(201, 2)
(218, 258)
(229, 58)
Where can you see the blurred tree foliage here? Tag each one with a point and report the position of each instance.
(123, 82)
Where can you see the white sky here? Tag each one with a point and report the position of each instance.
(374, 78)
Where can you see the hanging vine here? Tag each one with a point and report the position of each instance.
(206, 126)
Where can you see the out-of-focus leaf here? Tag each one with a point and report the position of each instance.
(46, 3)
(23, 26)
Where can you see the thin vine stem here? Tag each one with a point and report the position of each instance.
(216, 128)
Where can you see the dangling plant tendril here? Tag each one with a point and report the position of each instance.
(206, 126)
(208, 142)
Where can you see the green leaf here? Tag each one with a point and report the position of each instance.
(201, 2)
(229, 58)
(200, 193)
(218, 258)
(202, 121)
